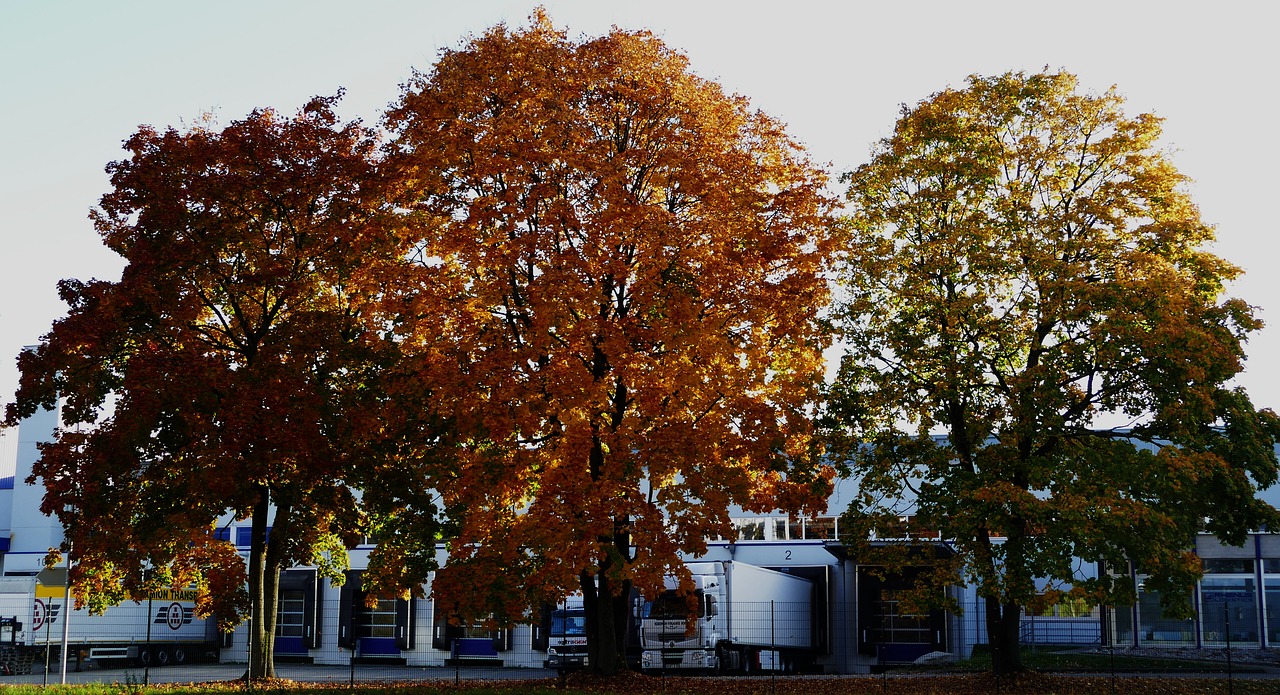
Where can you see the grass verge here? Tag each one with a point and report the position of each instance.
(1049, 658)
(633, 684)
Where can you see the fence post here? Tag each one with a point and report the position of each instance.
(1031, 636)
(1226, 617)
(248, 671)
(146, 663)
(48, 629)
(777, 655)
(1111, 641)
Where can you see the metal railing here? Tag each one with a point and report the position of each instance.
(828, 638)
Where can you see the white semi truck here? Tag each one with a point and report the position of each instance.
(158, 630)
(748, 618)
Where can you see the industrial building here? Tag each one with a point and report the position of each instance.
(856, 625)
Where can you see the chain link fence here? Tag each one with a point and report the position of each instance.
(329, 641)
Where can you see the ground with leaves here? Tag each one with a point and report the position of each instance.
(908, 684)
(635, 684)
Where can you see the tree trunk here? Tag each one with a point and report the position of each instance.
(605, 605)
(1003, 624)
(264, 578)
(1003, 619)
(622, 622)
(606, 625)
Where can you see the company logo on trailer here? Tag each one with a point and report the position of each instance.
(173, 615)
(43, 614)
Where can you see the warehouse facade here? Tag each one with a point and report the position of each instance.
(857, 625)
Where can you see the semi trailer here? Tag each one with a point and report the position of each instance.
(740, 618)
(157, 630)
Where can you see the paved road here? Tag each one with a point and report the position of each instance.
(203, 673)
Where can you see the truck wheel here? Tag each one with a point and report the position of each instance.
(179, 656)
(155, 655)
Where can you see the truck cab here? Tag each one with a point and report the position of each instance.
(739, 617)
(665, 636)
(567, 638)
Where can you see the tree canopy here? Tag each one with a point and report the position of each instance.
(231, 368)
(574, 309)
(618, 295)
(1028, 277)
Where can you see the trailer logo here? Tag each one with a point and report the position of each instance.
(174, 616)
(43, 614)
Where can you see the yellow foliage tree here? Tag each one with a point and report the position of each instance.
(1026, 270)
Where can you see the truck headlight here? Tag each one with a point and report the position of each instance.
(552, 651)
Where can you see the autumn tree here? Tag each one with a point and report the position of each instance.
(230, 369)
(619, 290)
(1028, 277)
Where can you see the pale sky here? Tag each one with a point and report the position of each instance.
(80, 77)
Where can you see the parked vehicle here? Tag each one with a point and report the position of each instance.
(158, 630)
(747, 618)
(567, 636)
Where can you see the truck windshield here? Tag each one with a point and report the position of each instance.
(568, 623)
(673, 606)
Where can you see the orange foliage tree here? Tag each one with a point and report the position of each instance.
(230, 368)
(619, 282)
(1027, 276)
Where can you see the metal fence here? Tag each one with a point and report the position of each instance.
(336, 642)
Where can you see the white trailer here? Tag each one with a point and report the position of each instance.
(158, 630)
(748, 618)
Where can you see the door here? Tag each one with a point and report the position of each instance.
(298, 613)
(382, 629)
(887, 629)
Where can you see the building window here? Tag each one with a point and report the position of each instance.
(1066, 608)
(750, 529)
(1155, 628)
(244, 536)
(378, 621)
(1229, 610)
(1271, 598)
(820, 528)
(1228, 565)
(291, 613)
(899, 627)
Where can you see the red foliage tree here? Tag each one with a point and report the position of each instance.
(232, 367)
